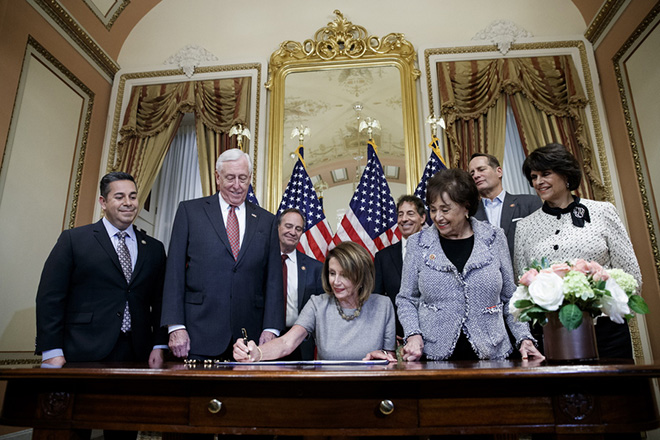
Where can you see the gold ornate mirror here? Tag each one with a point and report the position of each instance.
(330, 84)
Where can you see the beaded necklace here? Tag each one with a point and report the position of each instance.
(344, 315)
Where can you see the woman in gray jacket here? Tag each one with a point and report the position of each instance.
(457, 281)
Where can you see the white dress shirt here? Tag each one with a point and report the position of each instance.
(291, 288)
(493, 209)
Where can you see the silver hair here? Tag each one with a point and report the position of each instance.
(231, 155)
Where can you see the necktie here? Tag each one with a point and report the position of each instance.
(285, 274)
(232, 231)
(127, 268)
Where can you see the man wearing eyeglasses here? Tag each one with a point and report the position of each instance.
(301, 275)
(223, 270)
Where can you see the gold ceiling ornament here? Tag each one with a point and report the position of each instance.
(342, 40)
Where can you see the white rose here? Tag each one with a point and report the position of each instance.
(546, 291)
(519, 294)
(615, 306)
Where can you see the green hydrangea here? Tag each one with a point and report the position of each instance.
(626, 281)
(577, 285)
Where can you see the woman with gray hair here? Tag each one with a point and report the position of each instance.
(457, 281)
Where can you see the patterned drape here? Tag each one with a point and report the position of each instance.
(545, 94)
(153, 116)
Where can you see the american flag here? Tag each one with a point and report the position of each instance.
(251, 197)
(299, 193)
(371, 217)
(435, 164)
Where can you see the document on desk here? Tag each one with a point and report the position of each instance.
(314, 363)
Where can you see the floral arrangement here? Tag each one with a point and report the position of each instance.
(572, 288)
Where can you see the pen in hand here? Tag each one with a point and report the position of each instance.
(245, 340)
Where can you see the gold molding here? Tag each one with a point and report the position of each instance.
(115, 15)
(116, 119)
(591, 95)
(69, 25)
(77, 176)
(341, 44)
(617, 62)
(602, 20)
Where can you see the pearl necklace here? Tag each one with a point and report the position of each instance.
(344, 315)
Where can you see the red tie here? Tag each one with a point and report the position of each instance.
(285, 274)
(232, 231)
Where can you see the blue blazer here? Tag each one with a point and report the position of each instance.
(83, 292)
(514, 208)
(438, 302)
(309, 283)
(389, 264)
(208, 291)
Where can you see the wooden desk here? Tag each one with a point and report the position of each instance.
(428, 398)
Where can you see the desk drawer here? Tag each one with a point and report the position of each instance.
(303, 413)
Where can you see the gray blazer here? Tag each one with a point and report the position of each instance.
(437, 302)
(514, 208)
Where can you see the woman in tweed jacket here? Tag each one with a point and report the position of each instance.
(457, 281)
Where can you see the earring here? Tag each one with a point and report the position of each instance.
(567, 184)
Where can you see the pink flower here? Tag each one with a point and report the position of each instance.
(528, 277)
(581, 265)
(561, 269)
(598, 272)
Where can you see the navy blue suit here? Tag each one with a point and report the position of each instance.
(83, 292)
(389, 265)
(514, 208)
(309, 283)
(208, 291)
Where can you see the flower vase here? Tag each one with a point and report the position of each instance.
(561, 344)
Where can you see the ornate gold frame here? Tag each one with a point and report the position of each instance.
(593, 107)
(618, 63)
(586, 71)
(116, 120)
(341, 44)
(79, 155)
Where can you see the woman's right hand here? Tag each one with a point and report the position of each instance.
(242, 352)
(413, 349)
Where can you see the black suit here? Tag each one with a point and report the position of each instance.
(389, 265)
(83, 292)
(212, 294)
(309, 283)
(514, 208)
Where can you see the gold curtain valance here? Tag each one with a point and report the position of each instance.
(468, 89)
(154, 113)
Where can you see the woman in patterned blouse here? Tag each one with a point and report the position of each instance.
(567, 227)
(457, 281)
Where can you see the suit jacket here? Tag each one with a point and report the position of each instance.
(309, 283)
(208, 291)
(389, 264)
(514, 208)
(83, 292)
(437, 302)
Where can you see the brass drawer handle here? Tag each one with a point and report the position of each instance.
(386, 407)
(214, 406)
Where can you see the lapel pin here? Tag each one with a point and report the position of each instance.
(432, 256)
(143, 242)
(254, 215)
(512, 205)
(303, 268)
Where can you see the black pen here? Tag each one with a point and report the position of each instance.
(245, 338)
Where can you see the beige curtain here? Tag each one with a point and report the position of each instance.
(547, 99)
(153, 116)
(220, 105)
